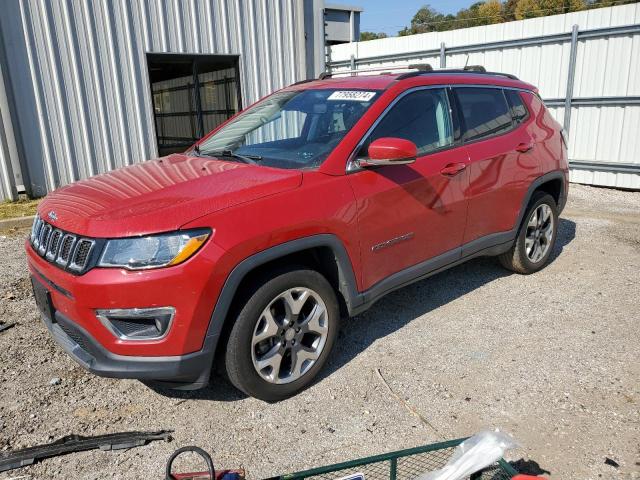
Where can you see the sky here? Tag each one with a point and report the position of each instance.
(389, 16)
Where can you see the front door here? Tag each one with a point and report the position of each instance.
(411, 213)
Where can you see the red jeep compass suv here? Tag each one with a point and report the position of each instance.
(306, 207)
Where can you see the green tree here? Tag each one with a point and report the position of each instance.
(425, 20)
(509, 10)
(364, 36)
(468, 17)
(490, 12)
(542, 8)
(528, 9)
(486, 12)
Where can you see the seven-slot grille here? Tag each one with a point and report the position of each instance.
(61, 248)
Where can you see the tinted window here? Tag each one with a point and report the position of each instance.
(422, 117)
(485, 112)
(518, 110)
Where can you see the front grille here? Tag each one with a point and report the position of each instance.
(82, 252)
(54, 245)
(61, 248)
(65, 251)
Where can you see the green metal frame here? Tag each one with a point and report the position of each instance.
(391, 457)
(507, 467)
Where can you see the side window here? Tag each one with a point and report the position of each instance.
(518, 110)
(421, 117)
(485, 112)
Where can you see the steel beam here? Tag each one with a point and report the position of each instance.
(522, 42)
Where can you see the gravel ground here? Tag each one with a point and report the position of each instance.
(552, 358)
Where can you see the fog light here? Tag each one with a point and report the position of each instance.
(137, 323)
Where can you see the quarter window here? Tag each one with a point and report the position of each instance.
(421, 117)
(485, 112)
(516, 105)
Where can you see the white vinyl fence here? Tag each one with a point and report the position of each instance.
(586, 65)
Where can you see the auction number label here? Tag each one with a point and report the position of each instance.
(353, 95)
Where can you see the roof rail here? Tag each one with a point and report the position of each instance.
(421, 67)
(418, 69)
(304, 81)
(473, 69)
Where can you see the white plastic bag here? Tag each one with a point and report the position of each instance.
(472, 455)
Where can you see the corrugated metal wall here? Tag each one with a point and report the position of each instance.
(7, 143)
(79, 80)
(601, 133)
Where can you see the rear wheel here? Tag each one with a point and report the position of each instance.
(536, 237)
(283, 335)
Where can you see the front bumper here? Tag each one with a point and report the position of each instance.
(182, 358)
(191, 288)
(189, 371)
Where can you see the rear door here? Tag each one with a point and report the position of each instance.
(501, 159)
(410, 213)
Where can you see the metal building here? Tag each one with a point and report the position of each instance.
(89, 86)
(586, 65)
(342, 23)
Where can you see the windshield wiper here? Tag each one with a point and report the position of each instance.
(77, 443)
(252, 159)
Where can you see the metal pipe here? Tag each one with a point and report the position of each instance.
(633, 168)
(571, 75)
(443, 55)
(594, 101)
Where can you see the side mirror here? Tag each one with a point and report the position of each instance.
(390, 151)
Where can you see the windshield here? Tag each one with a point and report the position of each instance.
(293, 129)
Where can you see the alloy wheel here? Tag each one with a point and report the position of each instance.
(289, 335)
(539, 234)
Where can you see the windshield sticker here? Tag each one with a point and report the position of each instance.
(352, 95)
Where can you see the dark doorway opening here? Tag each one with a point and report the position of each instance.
(191, 95)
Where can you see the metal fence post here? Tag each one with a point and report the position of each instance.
(393, 472)
(352, 63)
(443, 55)
(573, 53)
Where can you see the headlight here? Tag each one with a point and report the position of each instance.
(153, 251)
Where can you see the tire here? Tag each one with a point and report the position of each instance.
(523, 257)
(257, 361)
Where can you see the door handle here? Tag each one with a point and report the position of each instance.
(453, 169)
(524, 147)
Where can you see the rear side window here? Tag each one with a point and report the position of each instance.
(421, 117)
(518, 111)
(485, 112)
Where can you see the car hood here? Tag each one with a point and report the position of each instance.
(160, 195)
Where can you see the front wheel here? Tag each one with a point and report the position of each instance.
(536, 237)
(283, 335)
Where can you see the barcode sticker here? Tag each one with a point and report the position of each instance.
(353, 95)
